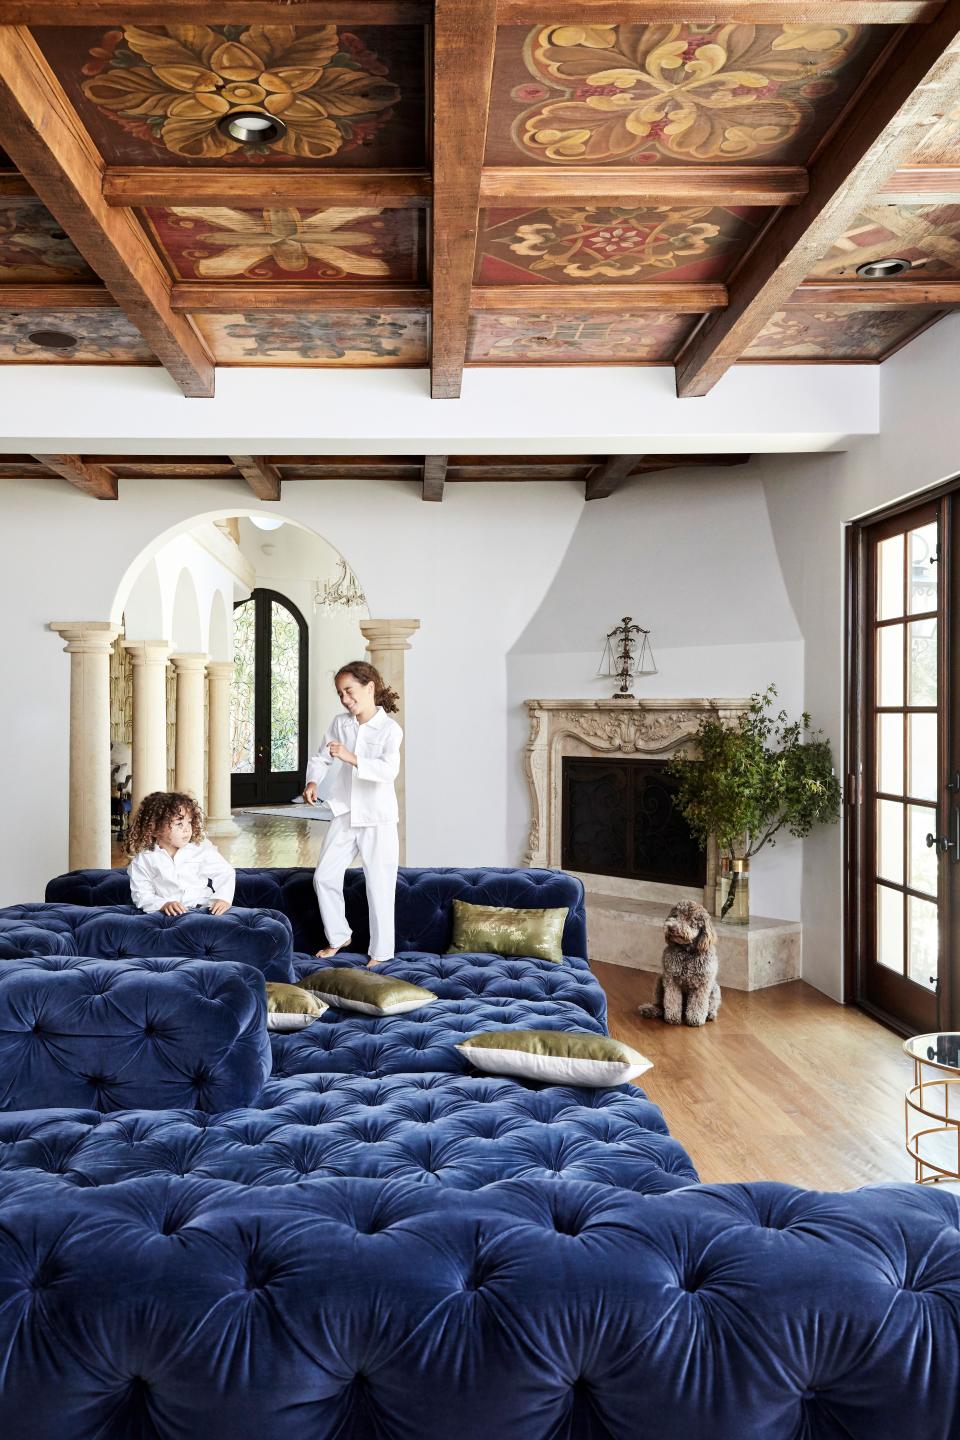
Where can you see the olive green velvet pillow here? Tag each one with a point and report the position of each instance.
(290, 1007)
(558, 1057)
(492, 929)
(370, 994)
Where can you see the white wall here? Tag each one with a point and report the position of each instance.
(473, 570)
(692, 558)
(809, 503)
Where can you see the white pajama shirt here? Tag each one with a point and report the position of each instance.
(364, 804)
(156, 878)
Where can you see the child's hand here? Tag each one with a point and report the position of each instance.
(340, 752)
(310, 792)
(173, 907)
(219, 907)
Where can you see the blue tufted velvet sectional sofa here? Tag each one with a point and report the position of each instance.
(350, 1236)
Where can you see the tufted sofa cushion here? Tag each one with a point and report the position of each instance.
(142, 1035)
(18, 938)
(438, 1130)
(487, 977)
(424, 900)
(115, 932)
(529, 1311)
(406, 1044)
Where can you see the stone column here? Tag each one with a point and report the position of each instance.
(386, 642)
(149, 659)
(189, 743)
(89, 643)
(219, 819)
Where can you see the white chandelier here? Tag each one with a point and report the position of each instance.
(343, 593)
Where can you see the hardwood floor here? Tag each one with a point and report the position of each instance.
(786, 1085)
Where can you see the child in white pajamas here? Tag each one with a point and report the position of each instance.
(174, 866)
(366, 743)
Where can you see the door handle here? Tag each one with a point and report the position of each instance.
(944, 843)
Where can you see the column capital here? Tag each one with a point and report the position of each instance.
(192, 660)
(220, 669)
(388, 634)
(147, 652)
(85, 637)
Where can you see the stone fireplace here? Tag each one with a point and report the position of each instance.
(600, 807)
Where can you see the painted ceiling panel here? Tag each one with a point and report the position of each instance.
(926, 235)
(156, 95)
(393, 337)
(85, 337)
(33, 248)
(676, 94)
(550, 339)
(842, 332)
(596, 246)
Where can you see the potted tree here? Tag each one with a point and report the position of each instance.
(748, 782)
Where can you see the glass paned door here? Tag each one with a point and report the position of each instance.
(269, 700)
(905, 793)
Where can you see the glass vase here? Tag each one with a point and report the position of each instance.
(733, 891)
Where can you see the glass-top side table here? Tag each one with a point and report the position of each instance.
(934, 1095)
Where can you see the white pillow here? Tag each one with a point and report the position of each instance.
(556, 1057)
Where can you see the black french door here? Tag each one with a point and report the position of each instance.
(904, 791)
(268, 721)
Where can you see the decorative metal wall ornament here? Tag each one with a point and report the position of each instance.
(621, 660)
(344, 593)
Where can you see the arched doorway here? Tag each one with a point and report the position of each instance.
(268, 732)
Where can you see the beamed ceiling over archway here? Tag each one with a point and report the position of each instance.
(474, 182)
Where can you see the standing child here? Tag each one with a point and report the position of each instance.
(173, 864)
(366, 743)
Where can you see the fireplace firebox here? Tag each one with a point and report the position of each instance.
(618, 817)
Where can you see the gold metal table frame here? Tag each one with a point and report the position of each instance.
(930, 1098)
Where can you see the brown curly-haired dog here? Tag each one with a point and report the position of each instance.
(687, 992)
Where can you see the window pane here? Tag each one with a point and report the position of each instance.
(242, 695)
(922, 822)
(890, 578)
(922, 942)
(890, 665)
(890, 759)
(922, 579)
(890, 928)
(890, 840)
(922, 738)
(922, 661)
(284, 689)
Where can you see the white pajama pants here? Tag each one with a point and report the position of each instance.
(379, 849)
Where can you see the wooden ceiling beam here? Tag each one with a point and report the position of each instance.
(225, 297)
(666, 298)
(768, 185)
(921, 185)
(169, 185)
(605, 478)
(44, 137)
(918, 85)
(434, 476)
(213, 12)
(56, 297)
(877, 294)
(96, 481)
(262, 477)
(465, 33)
(715, 12)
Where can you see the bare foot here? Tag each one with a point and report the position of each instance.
(332, 950)
(371, 962)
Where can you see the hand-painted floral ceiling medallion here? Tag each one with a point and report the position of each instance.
(658, 242)
(149, 92)
(394, 337)
(675, 93)
(338, 243)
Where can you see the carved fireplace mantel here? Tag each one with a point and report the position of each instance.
(640, 728)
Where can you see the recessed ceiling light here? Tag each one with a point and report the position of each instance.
(52, 339)
(882, 269)
(252, 127)
(264, 522)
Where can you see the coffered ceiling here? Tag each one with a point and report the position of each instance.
(475, 182)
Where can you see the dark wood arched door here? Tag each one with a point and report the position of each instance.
(268, 713)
